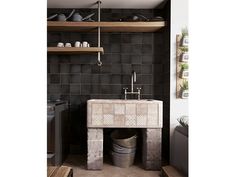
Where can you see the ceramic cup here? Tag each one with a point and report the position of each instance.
(77, 44)
(60, 44)
(85, 44)
(68, 44)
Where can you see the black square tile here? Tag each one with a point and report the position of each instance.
(157, 68)
(137, 49)
(115, 38)
(106, 89)
(106, 58)
(125, 59)
(95, 69)
(54, 68)
(96, 89)
(48, 79)
(136, 59)
(85, 89)
(137, 38)
(53, 59)
(116, 79)
(75, 100)
(95, 79)
(75, 68)
(136, 68)
(65, 78)
(126, 48)
(116, 89)
(115, 58)
(105, 78)
(148, 38)
(147, 59)
(54, 88)
(53, 37)
(147, 69)
(147, 89)
(64, 58)
(86, 78)
(54, 78)
(146, 79)
(115, 48)
(107, 48)
(147, 49)
(64, 68)
(75, 78)
(138, 79)
(126, 79)
(105, 68)
(116, 68)
(105, 39)
(86, 68)
(75, 89)
(126, 38)
(65, 89)
(126, 69)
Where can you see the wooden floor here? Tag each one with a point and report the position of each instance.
(78, 163)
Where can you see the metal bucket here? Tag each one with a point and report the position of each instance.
(125, 137)
(122, 150)
(122, 160)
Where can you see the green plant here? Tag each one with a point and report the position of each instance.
(184, 66)
(184, 49)
(183, 121)
(185, 32)
(184, 85)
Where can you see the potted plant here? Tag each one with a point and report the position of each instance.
(185, 36)
(184, 89)
(184, 70)
(184, 54)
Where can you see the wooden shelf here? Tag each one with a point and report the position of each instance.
(105, 26)
(74, 50)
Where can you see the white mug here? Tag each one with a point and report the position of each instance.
(60, 44)
(68, 44)
(85, 44)
(77, 44)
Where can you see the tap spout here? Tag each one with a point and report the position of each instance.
(133, 79)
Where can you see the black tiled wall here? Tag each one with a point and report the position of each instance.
(77, 78)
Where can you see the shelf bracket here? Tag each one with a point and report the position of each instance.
(99, 63)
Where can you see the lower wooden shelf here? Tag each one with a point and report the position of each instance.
(74, 50)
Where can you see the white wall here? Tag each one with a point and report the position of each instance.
(178, 107)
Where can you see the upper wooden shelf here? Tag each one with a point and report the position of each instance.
(74, 50)
(105, 26)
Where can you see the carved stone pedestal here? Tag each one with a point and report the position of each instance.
(95, 149)
(151, 149)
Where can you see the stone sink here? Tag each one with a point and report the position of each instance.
(108, 113)
(117, 113)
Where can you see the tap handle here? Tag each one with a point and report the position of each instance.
(125, 88)
(139, 92)
(125, 92)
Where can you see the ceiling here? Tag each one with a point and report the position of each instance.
(113, 4)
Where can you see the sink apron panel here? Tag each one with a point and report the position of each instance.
(105, 113)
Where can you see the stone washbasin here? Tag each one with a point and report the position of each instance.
(117, 113)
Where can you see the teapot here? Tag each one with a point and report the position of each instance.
(62, 17)
(77, 17)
